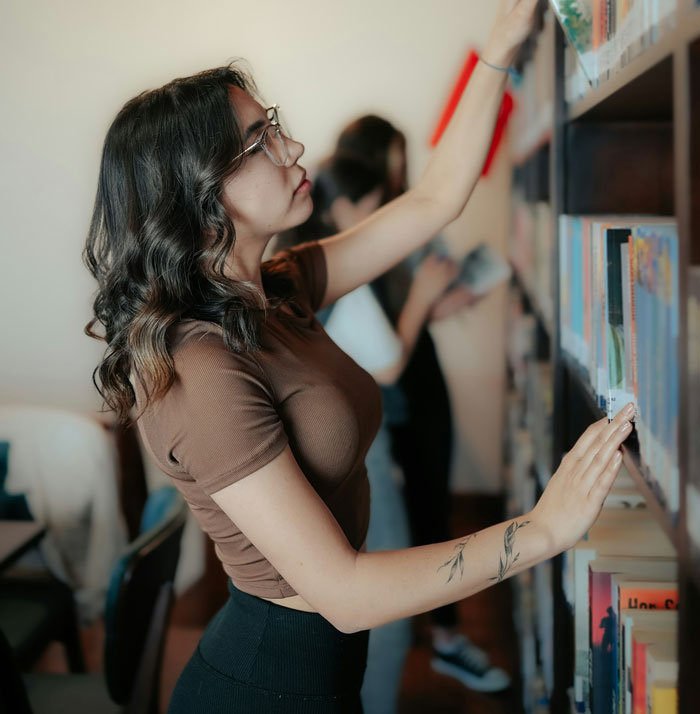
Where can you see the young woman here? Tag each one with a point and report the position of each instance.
(259, 418)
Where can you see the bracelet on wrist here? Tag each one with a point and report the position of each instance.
(508, 70)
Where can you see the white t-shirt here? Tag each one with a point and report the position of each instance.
(360, 328)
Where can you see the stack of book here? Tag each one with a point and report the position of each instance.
(621, 584)
(608, 34)
(619, 323)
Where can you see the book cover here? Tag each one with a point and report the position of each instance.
(618, 394)
(641, 640)
(576, 19)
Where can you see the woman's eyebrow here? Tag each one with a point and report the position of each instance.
(259, 124)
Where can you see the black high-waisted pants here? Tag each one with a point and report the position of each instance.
(256, 657)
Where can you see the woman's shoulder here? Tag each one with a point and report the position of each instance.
(199, 346)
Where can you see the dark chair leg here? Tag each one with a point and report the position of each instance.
(73, 646)
(13, 696)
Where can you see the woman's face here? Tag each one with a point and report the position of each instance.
(260, 198)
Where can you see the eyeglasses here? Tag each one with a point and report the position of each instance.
(271, 141)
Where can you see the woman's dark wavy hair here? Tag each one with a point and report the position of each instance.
(159, 235)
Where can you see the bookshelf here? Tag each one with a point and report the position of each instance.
(630, 146)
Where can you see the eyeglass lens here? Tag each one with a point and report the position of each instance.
(275, 145)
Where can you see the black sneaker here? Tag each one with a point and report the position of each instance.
(470, 665)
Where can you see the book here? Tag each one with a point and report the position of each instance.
(647, 625)
(576, 19)
(662, 666)
(481, 270)
(664, 697)
(605, 662)
(616, 288)
(619, 325)
(618, 532)
(657, 591)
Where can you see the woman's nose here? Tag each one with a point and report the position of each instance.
(296, 151)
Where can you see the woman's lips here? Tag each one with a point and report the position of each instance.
(304, 186)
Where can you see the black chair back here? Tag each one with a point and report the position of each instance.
(139, 598)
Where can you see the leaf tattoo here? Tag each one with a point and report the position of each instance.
(508, 540)
(457, 561)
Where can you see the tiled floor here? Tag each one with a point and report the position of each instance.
(485, 617)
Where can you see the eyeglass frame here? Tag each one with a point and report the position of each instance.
(275, 125)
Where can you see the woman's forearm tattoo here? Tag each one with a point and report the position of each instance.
(457, 561)
(510, 560)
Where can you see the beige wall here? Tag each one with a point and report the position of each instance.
(67, 67)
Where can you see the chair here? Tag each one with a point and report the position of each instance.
(36, 609)
(136, 614)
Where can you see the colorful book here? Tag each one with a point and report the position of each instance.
(646, 625)
(618, 532)
(605, 663)
(657, 591)
(640, 627)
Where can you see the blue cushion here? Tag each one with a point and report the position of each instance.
(13, 507)
(157, 506)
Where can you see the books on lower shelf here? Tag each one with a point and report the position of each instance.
(619, 323)
(607, 35)
(627, 534)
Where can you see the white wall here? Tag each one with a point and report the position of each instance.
(68, 66)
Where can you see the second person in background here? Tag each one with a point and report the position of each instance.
(417, 408)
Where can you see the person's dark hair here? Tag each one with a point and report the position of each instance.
(159, 235)
(337, 176)
(370, 138)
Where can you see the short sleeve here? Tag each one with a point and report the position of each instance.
(221, 413)
(305, 264)
(360, 328)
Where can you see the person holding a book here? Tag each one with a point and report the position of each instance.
(417, 406)
(261, 421)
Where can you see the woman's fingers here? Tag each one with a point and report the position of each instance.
(597, 435)
(606, 453)
(601, 487)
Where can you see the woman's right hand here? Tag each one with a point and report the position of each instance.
(514, 22)
(574, 496)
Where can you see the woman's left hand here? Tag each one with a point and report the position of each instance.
(514, 22)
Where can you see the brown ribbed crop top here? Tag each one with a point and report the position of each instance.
(228, 414)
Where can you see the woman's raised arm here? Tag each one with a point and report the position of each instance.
(369, 249)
